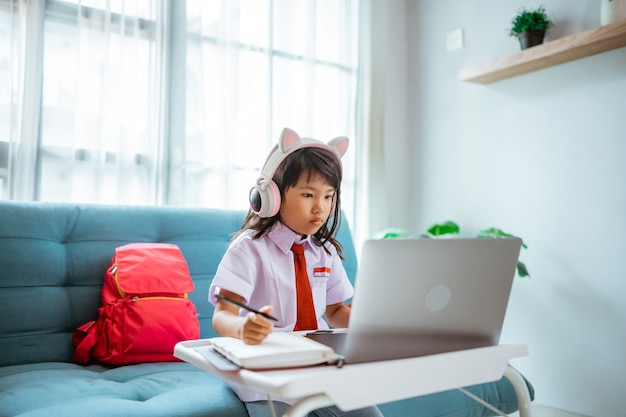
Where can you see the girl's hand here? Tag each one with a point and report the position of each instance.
(255, 328)
(251, 329)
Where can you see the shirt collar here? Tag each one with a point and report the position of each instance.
(284, 237)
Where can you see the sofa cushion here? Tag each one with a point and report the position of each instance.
(180, 389)
(155, 389)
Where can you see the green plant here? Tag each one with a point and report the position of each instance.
(451, 227)
(530, 19)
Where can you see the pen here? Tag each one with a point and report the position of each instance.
(245, 307)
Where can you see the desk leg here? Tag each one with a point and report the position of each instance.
(521, 391)
(307, 404)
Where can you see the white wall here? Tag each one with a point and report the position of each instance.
(542, 155)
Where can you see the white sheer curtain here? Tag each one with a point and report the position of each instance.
(169, 101)
(384, 140)
(20, 83)
(254, 67)
(86, 100)
(102, 104)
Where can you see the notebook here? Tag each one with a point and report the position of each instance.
(416, 297)
(278, 350)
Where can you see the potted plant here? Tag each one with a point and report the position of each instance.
(530, 26)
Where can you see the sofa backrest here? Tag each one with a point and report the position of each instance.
(53, 258)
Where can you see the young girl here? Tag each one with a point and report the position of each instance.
(295, 207)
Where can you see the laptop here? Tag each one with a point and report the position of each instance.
(416, 297)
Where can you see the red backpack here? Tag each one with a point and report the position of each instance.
(145, 310)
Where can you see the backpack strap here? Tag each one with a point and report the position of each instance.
(83, 339)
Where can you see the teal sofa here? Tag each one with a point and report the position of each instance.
(52, 263)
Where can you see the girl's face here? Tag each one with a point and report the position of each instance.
(307, 205)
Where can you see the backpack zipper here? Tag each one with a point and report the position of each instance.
(157, 297)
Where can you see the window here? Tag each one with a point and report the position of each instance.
(169, 102)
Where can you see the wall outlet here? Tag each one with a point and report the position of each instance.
(454, 39)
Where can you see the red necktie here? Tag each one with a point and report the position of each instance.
(306, 319)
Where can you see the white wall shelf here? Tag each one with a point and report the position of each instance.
(570, 48)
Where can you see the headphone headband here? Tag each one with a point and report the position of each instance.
(277, 156)
(265, 195)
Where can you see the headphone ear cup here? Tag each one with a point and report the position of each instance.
(265, 199)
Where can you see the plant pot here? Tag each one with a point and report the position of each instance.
(612, 11)
(531, 38)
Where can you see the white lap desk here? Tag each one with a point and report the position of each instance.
(360, 385)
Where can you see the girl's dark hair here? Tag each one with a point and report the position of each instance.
(310, 161)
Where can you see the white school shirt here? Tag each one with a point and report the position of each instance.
(262, 272)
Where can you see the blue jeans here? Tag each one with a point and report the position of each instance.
(262, 409)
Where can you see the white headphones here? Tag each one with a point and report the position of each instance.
(265, 195)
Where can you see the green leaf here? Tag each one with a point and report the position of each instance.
(494, 232)
(522, 270)
(446, 228)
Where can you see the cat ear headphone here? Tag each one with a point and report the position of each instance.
(265, 195)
